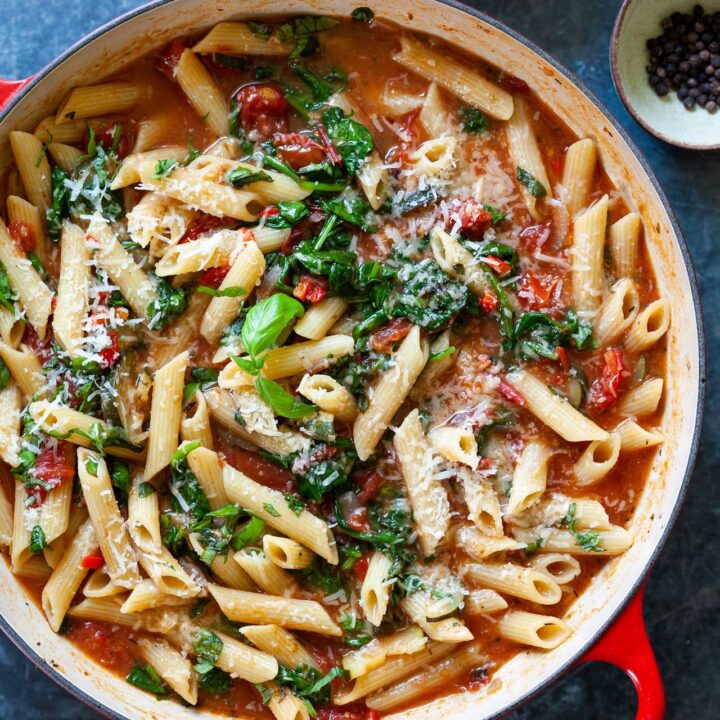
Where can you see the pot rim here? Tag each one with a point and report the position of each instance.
(597, 632)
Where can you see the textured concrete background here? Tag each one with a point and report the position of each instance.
(683, 595)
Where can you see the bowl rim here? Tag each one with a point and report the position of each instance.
(641, 575)
(620, 89)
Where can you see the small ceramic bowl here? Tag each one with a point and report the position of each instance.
(664, 117)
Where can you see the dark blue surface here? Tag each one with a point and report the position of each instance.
(683, 597)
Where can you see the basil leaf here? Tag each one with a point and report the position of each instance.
(4, 374)
(281, 402)
(180, 455)
(266, 321)
(170, 303)
(473, 120)
(354, 210)
(7, 297)
(207, 647)
(289, 214)
(533, 185)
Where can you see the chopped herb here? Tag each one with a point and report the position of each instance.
(356, 632)
(7, 297)
(294, 503)
(528, 180)
(354, 210)
(170, 303)
(215, 681)
(38, 541)
(349, 555)
(321, 576)
(416, 200)
(164, 167)
(473, 120)
(4, 374)
(270, 510)
(534, 546)
(264, 72)
(308, 683)
(265, 693)
(440, 354)
(281, 401)
(589, 541)
(260, 29)
(92, 466)
(289, 214)
(199, 607)
(303, 32)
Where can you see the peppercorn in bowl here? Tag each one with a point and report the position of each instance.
(665, 60)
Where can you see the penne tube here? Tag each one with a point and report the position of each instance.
(290, 613)
(554, 411)
(587, 257)
(271, 505)
(598, 459)
(435, 157)
(394, 670)
(515, 580)
(202, 190)
(34, 168)
(434, 117)
(428, 497)
(526, 157)
(127, 173)
(66, 157)
(643, 399)
(447, 630)
(175, 339)
(202, 92)
(146, 595)
(578, 174)
(540, 631)
(649, 326)
(623, 241)
(433, 677)
(236, 38)
(109, 525)
(64, 421)
(329, 395)
(207, 251)
(67, 577)
(195, 424)
(456, 444)
(70, 131)
(469, 86)
(484, 602)
(634, 437)
(390, 392)
(24, 367)
(458, 262)
(136, 287)
(207, 468)
(168, 574)
(97, 100)
(617, 313)
(12, 327)
(281, 644)
(224, 567)
(285, 705)
(144, 516)
(158, 222)
(306, 356)
(20, 210)
(242, 661)
(245, 272)
(613, 541)
(375, 653)
(73, 290)
(172, 666)
(165, 414)
(6, 519)
(223, 408)
(319, 318)
(286, 553)
(561, 567)
(34, 570)
(100, 585)
(374, 180)
(483, 504)
(376, 587)
(33, 294)
(11, 404)
(529, 477)
(265, 573)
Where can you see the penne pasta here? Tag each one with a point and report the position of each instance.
(541, 631)
(587, 257)
(97, 100)
(578, 173)
(236, 38)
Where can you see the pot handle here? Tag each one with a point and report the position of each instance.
(627, 646)
(10, 88)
